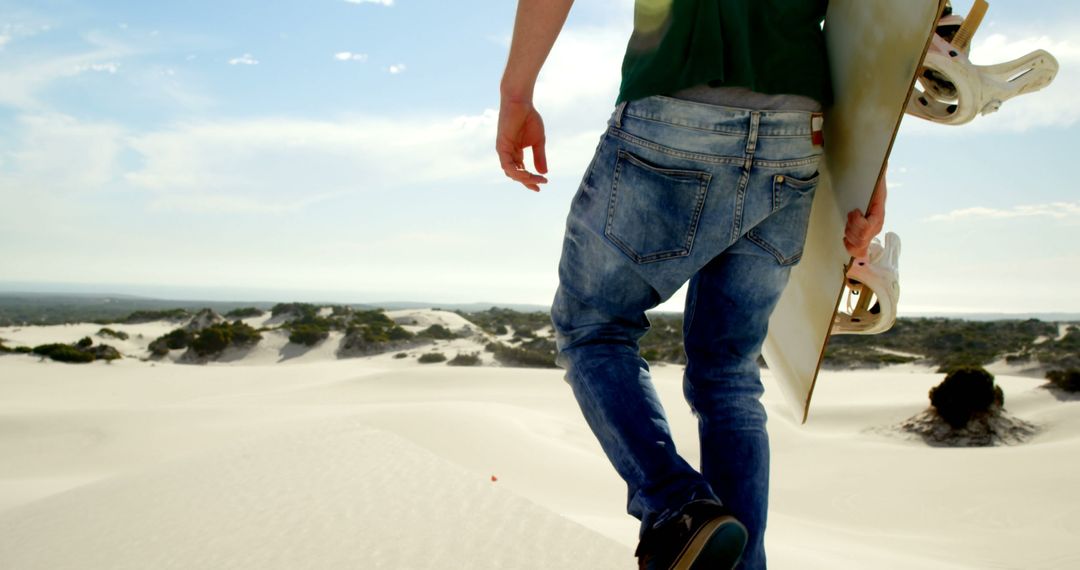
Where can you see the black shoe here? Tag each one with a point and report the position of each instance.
(703, 536)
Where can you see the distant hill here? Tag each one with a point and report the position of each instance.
(53, 309)
(33, 308)
(521, 334)
(1050, 317)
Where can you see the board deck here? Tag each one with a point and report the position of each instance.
(875, 50)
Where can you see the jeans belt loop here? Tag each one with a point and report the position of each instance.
(751, 139)
(619, 113)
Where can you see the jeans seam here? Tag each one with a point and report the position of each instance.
(653, 119)
(787, 163)
(732, 160)
(752, 236)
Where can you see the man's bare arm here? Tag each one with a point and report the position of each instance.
(536, 26)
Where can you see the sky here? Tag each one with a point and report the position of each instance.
(344, 150)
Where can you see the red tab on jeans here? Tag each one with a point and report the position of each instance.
(817, 129)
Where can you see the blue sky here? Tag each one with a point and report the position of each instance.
(344, 150)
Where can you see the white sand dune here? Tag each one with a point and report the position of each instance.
(264, 462)
(338, 495)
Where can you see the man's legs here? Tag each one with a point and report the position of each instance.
(614, 389)
(679, 191)
(727, 312)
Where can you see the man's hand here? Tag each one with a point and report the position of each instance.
(536, 26)
(520, 126)
(860, 230)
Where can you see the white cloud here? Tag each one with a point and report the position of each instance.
(396, 69)
(9, 32)
(350, 56)
(379, 2)
(21, 79)
(110, 68)
(1055, 210)
(277, 165)
(57, 154)
(245, 59)
(581, 75)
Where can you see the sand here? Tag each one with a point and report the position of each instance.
(307, 461)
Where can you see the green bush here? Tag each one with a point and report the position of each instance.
(1068, 380)
(63, 353)
(465, 359)
(965, 392)
(211, 340)
(104, 352)
(85, 342)
(307, 334)
(374, 327)
(166, 315)
(400, 355)
(340, 311)
(299, 310)
(14, 349)
(216, 338)
(431, 357)
(499, 321)
(114, 334)
(524, 333)
(175, 339)
(397, 333)
(245, 312)
(372, 317)
(529, 357)
(438, 332)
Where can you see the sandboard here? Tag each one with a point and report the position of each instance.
(875, 50)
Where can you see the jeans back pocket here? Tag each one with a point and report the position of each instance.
(653, 211)
(783, 232)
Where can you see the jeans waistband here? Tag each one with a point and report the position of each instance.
(709, 117)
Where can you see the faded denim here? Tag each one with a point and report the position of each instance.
(679, 190)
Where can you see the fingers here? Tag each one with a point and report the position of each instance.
(512, 161)
(540, 157)
(859, 232)
(520, 126)
(855, 250)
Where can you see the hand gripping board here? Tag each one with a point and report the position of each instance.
(875, 50)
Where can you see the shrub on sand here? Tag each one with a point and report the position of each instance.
(465, 359)
(63, 353)
(965, 392)
(432, 357)
(216, 338)
(245, 312)
(308, 334)
(119, 335)
(1067, 380)
(438, 332)
(178, 338)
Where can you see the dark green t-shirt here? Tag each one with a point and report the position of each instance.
(768, 46)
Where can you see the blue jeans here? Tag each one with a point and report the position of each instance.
(676, 191)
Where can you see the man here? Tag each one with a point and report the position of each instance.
(706, 173)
